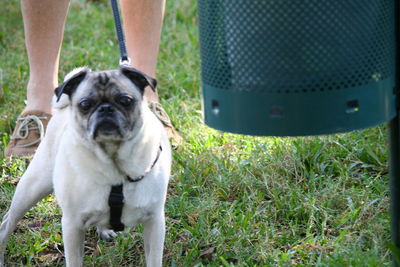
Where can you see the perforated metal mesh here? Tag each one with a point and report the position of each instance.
(297, 46)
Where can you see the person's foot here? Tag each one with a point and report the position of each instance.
(28, 133)
(162, 115)
(153, 101)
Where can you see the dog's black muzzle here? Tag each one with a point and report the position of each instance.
(106, 121)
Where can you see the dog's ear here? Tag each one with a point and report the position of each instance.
(71, 82)
(139, 78)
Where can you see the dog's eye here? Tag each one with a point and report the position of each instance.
(85, 104)
(125, 101)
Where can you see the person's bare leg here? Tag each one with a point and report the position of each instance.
(44, 22)
(142, 24)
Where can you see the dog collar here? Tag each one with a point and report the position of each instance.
(116, 198)
(139, 178)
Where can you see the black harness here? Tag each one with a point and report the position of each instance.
(116, 198)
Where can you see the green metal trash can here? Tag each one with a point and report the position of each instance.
(303, 67)
(298, 67)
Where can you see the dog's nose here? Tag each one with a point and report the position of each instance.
(106, 109)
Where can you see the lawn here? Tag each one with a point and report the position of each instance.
(233, 200)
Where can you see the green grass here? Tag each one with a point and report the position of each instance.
(233, 200)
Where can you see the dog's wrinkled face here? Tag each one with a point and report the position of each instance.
(106, 105)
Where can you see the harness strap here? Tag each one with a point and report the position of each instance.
(116, 203)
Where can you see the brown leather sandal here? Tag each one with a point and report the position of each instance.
(28, 133)
(162, 115)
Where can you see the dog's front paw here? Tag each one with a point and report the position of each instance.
(105, 234)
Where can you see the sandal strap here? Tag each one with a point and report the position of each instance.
(160, 113)
(26, 124)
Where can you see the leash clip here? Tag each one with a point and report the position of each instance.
(125, 62)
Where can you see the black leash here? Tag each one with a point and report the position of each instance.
(116, 197)
(124, 60)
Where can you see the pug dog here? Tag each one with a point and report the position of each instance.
(107, 158)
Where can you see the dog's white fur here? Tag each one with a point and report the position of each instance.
(82, 178)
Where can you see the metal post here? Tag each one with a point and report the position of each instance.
(394, 145)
